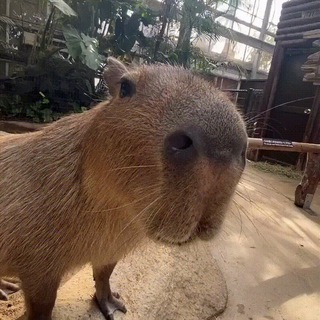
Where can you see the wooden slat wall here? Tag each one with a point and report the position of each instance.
(298, 17)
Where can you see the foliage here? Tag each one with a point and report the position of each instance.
(39, 111)
(93, 30)
(115, 24)
(63, 7)
(82, 47)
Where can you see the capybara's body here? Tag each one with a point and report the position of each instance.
(160, 160)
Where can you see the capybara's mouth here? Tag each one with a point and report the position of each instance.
(174, 242)
(201, 232)
(184, 239)
(203, 229)
(203, 236)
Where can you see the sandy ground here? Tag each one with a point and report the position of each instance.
(154, 282)
(268, 252)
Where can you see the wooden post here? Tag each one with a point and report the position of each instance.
(306, 189)
(268, 96)
(311, 134)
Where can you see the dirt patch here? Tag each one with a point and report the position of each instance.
(13, 308)
(155, 282)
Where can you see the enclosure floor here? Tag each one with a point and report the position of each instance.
(270, 255)
(268, 251)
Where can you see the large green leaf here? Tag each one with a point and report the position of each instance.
(82, 47)
(73, 41)
(91, 58)
(63, 7)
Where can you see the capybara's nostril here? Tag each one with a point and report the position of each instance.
(179, 148)
(179, 142)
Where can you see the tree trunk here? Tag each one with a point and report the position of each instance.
(166, 12)
(186, 25)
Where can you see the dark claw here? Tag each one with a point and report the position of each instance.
(7, 288)
(116, 295)
(110, 306)
(3, 296)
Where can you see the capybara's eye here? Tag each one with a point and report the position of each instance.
(127, 88)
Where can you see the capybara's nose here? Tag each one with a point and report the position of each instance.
(182, 147)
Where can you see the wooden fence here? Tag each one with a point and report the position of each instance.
(310, 180)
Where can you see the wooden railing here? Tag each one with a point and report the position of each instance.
(308, 186)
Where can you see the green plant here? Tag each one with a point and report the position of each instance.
(10, 105)
(82, 48)
(40, 111)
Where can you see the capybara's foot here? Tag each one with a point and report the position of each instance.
(108, 301)
(7, 288)
(111, 304)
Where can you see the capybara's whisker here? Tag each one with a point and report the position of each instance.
(126, 204)
(137, 216)
(136, 167)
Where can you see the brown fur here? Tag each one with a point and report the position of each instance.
(90, 187)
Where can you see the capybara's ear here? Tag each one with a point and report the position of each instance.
(113, 74)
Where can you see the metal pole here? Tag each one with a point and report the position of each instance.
(264, 27)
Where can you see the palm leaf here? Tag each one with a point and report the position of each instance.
(63, 7)
(7, 20)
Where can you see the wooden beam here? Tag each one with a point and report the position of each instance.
(310, 5)
(282, 145)
(293, 28)
(245, 23)
(293, 3)
(294, 42)
(289, 36)
(289, 16)
(297, 22)
(295, 37)
(251, 41)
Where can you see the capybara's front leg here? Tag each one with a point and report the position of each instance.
(40, 296)
(107, 300)
(7, 288)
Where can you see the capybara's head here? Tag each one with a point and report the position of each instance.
(170, 148)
